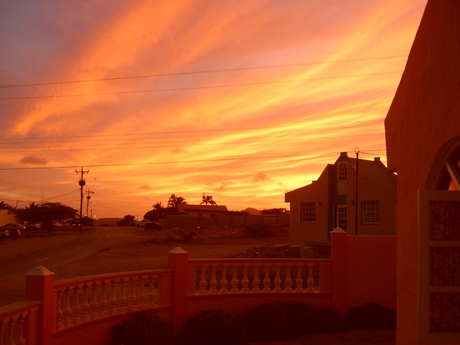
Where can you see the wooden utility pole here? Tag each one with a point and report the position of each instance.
(82, 183)
(88, 197)
(356, 185)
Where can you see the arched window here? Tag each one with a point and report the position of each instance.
(450, 175)
(342, 172)
(439, 248)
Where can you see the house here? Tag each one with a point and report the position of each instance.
(202, 210)
(7, 216)
(332, 201)
(427, 106)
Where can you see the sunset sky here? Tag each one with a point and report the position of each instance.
(241, 100)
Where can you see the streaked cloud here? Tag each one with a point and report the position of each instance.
(242, 100)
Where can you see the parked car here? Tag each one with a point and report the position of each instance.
(11, 231)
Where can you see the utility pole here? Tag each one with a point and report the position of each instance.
(89, 191)
(356, 184)
(82, 183)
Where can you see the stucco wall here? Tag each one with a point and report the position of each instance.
(424, 115)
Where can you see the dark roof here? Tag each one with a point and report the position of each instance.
(203, 208)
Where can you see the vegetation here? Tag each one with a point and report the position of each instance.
(209, 327)
(284, 319)
(370, 316)
(173, 204)
(159, 211)
(46, 213)
(126, 221)
(144, 328)
(207, 199)
(182, 235)
(5, 206)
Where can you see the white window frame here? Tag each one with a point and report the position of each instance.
(370, 212)
(308, 212)
(425, 336)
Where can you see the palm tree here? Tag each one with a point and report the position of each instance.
(174, 202)
(207, 199)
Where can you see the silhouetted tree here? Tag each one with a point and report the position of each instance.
(127, 220)
(5, 206)
(207, 199)
(46, 213)
(174, 202)
(159, 211)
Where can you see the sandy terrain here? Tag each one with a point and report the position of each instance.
(141, 249)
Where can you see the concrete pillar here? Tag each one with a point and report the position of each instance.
(178, 262)
(40, 287)
(339, 257)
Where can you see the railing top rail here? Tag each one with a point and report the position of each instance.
(19, 307)
(263, 260)
(108, 276)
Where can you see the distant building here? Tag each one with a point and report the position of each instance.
(7, 217)
(202, 210)
(331, 202)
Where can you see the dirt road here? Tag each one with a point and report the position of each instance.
(21, 256)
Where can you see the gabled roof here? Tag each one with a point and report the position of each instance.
(372, 170)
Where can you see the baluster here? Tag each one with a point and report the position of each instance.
(141, 297)
(266, 281)
(245, 281)
(256, 280)
(85, 305)
(203, 282)
(151, 294)
(76, 309)
(132, 293)
(299, 280)
(224, 281)
(213, 281)
(19, 330)
(103, 304)
(59, 313)
(288, 280)
(122, 300)
(234, 279)
(94, 306)
(113, 297)
(9, 332)
(310, 280)
(277, 278)
(67, 311)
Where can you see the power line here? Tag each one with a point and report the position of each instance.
(195, 87)
(334, 124)
(237, 69)
(170, 162)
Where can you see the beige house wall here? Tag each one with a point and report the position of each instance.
(302, 233)
(7, 217)
(327, 192)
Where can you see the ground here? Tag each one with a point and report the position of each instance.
(148, 250)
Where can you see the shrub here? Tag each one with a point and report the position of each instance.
(257, 230)
(182, 235)
(276, 320)
(209, 327)
(144, 328)
(325, 320)
(370, 316)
